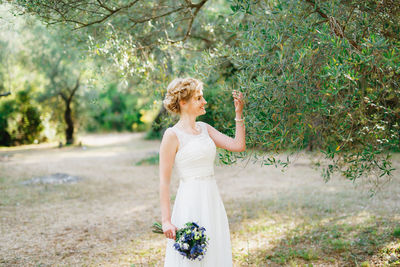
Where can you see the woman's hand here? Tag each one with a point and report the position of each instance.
(169, 230)
(238, 101)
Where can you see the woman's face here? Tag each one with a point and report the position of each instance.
(196, 104)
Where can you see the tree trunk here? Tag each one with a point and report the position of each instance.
(310, 146)
(69, 132)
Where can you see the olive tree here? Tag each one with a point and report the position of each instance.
(322, 75)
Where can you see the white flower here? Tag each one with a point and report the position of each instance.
(185, 246)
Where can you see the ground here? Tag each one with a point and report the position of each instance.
(290, 218)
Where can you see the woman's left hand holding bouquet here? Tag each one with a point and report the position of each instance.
(169, 230)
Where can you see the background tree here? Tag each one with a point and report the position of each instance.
(19, 113)
(144, 41)
(27, 117)
(59, 60)
(115, 110)
(4, 68)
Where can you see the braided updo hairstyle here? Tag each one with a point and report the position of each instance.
(180, 89)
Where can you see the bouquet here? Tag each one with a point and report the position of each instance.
(191, 241)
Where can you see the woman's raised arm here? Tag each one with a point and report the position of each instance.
(237, 144)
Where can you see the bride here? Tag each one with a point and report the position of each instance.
(190, 146)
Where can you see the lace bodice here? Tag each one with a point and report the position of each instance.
(196, 153)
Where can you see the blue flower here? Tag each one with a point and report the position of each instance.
(192, 243)
(182, 253)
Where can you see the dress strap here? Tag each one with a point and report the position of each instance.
(203, 126)
(180, 135)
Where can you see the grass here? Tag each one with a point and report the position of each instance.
(15, 194)
(284, 256)
(151, 160)
(396, 232)
(284, 238)
(105, 219)
(265, 233)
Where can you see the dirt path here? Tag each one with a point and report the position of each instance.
(105, 218)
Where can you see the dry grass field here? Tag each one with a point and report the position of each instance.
(290, 218)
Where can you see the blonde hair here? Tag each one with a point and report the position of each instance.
(180, 89)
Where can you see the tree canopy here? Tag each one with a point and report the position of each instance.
(317, 75)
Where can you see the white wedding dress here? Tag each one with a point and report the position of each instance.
(198, 200)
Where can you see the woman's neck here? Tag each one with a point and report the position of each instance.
(187, 122)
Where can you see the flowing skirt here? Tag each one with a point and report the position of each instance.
(199, 200)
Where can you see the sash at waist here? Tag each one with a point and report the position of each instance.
(198, 178)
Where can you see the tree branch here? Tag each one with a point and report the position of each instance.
(100, 20)
(63, 18)
(63, 96)
(104, 6)
(86, 13)
(197, 9)
(5, 94)
(336, 27)
(75, 88)
(142, 20)
(207, 41)
(347, 21)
